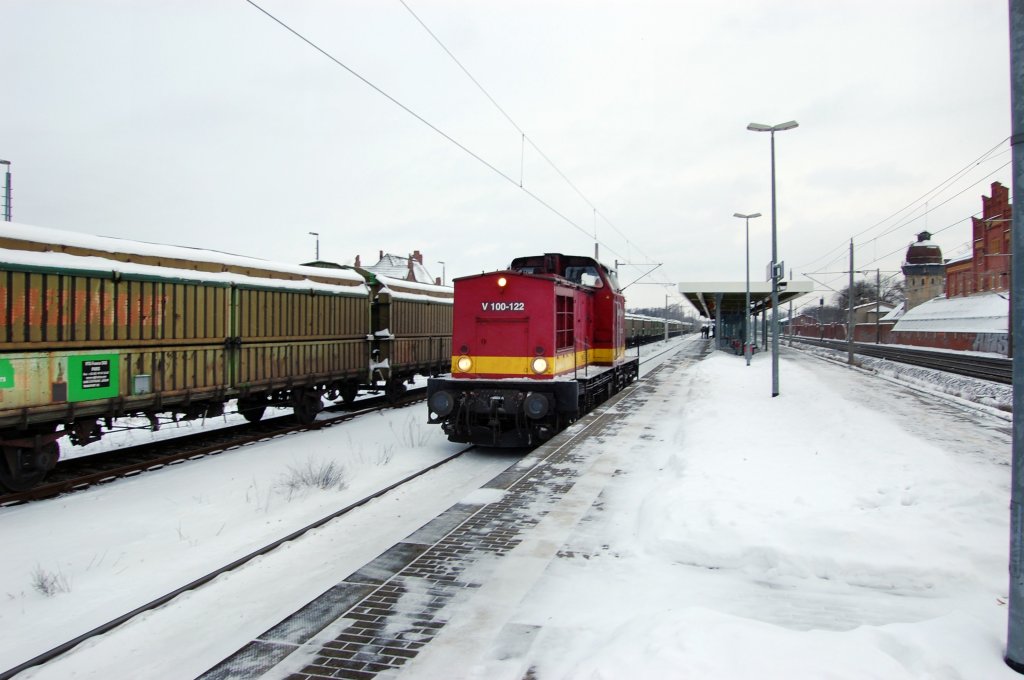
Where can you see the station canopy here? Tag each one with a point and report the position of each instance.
(713, 298)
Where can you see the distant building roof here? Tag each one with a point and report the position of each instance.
(895, 313)
(883, 307)
(986, 313)
(406, 268)
(963, 258)
(924, 251)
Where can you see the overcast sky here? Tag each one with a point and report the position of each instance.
(206, 123)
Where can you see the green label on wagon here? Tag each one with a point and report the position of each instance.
(6, 374)
(93, 376)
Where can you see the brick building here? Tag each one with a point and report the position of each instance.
(987, 268)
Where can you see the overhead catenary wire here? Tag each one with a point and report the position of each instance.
(840, 249)
(878, 258)
(421, 119)
(544, 203)
(838, 254)
(935, 207)
(875, 239)
(525, 138)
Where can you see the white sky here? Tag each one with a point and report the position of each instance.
(206, 123)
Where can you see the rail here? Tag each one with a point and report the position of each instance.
(80, 473)
(164, 599)
(996, 369)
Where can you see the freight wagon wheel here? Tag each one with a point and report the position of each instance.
(349, 391)
(252, 409)
(394, 390)
(306, 404)
(20, 470)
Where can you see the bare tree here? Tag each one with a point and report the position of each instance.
(865, 291)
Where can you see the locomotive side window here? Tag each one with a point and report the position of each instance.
(564, 330)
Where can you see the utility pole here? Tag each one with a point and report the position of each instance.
(666, 317)
(7, 190)
(821, 317)
(878, 306)
(790, 324)
(1015, 613)
(849, 303)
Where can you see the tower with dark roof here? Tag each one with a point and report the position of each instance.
(924, 271)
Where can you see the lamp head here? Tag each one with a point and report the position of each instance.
(760, 127)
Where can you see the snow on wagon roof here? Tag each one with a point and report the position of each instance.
(28, 245)
(985, 313)
(414, 291)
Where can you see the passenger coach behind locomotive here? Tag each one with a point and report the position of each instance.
(534, 348)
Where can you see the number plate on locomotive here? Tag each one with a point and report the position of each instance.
(503, 306)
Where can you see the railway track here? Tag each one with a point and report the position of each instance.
(80, 473)
(63, 648)
(996, 369)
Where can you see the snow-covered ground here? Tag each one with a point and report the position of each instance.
(983, 392)
(848, 528)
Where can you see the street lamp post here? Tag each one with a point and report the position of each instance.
(821, 317)
(317, 234)
(772, 129)
(747, 340)
(7, 190)
(443, 279)
(666, 317)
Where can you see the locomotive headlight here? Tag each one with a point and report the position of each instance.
(464, 363)
(502, 282)
(539, 365)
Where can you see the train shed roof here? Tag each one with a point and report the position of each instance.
(710, 298)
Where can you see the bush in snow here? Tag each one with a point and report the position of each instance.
(49, 583)
(314, 474)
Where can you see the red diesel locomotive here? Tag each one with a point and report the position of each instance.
(534, 347)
